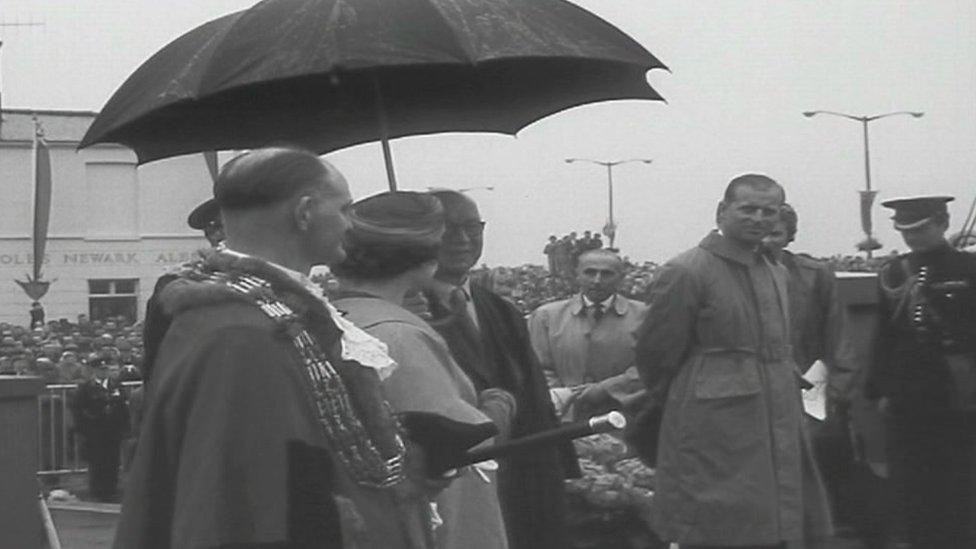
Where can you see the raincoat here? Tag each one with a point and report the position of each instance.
(734, 466)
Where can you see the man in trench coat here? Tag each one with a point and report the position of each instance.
(734, 467)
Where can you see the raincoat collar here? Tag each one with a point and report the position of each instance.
(720, 245)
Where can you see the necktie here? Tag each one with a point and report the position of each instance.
(597, 311)
(458, 303)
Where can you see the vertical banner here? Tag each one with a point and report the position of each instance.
(867, 202)
(42, 199)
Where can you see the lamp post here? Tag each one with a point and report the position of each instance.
(867, 196)
(611, 229)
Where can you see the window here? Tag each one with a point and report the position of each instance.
(112, 298)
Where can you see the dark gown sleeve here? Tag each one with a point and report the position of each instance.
(236, 460)
(154, 327)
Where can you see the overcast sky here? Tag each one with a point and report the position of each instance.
(742, 71)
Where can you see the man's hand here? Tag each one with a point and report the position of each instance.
(593, 396)
(593, 400)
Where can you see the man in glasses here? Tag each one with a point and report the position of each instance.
(489, 339)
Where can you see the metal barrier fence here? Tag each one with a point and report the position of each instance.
(58, 446)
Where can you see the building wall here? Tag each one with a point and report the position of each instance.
(109, 218)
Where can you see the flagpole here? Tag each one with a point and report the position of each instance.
(34, 174)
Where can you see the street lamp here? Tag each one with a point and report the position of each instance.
(867, 196)
(611, 230)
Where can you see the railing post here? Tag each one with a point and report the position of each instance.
(20, 521)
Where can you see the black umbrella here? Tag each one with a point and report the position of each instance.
(327, 74)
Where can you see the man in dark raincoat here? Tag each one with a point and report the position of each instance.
(734, 467)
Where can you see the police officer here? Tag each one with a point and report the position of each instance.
(101, 417)
(924, 374)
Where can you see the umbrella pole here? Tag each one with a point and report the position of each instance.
(388, 160)
(384, 133)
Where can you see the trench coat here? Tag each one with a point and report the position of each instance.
(817, 323)
(734, 464)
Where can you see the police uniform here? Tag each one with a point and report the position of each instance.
(101, 416)
(924, 365)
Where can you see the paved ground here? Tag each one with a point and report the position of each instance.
(91, 526)
(85, 526)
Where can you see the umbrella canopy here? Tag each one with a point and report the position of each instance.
(327, 74)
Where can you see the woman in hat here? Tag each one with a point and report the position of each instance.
(391, 251)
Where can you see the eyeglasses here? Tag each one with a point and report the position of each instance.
(471, 229)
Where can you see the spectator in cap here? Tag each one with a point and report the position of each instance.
(392, 249)
(923, 374)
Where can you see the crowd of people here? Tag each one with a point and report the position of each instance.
(562, 253)
(66, 352)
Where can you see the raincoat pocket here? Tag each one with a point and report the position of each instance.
(727, 375)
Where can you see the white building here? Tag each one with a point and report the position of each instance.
(115, 226)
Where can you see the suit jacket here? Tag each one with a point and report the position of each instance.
(500, 355)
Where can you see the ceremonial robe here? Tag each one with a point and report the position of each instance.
(232, 452)
(499, 354)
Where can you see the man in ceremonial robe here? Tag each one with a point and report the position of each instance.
(265, 425)
(489, 340)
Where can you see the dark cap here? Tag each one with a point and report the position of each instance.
(913, 212)
(204, 214)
